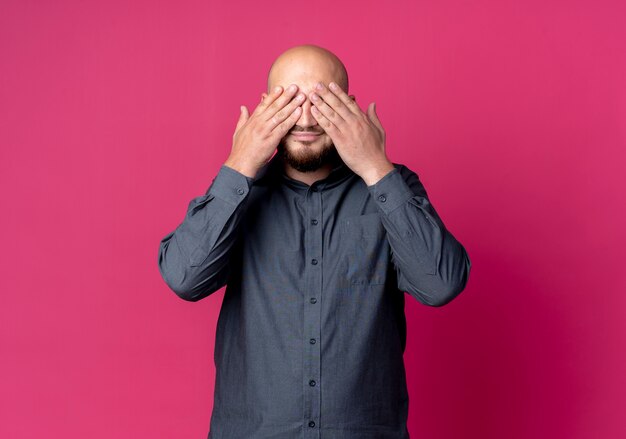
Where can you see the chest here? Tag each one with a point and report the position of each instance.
(334, 236)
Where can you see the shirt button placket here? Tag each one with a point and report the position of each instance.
(312, 315)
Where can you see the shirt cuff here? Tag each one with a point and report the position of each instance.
(391, 191)
(230, 185)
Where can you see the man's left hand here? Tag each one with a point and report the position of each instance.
(358, 137)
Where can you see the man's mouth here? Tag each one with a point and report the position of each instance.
(305, 135)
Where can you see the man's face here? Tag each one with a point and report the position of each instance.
(306, 147)
(305, 153)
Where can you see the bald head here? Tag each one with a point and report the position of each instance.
(306, 64)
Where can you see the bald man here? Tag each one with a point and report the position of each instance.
(317, 236)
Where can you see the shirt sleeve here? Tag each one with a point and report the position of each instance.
(194, 258)
(431, 265)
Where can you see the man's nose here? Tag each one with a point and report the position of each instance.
(306, 118)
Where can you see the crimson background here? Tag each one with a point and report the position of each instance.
(113, 115)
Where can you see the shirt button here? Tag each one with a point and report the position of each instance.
(312, 341)
(312, 383)
(311, 424)
(382, 198)
(313, 300)
(314, 221)
(314, 261)
(240, 191)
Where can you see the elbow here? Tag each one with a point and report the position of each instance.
(452, 287)
(437, 290)
(445, 294)
(189, 288)
(189, 295)
(433, 294)
(184, 282)
(436, 297)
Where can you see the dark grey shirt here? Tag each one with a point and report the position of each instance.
(311, 331)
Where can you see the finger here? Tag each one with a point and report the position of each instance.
(276, 92)
(287, 111)
(343, 96)
(322, 108)
(283, 128)
(371, 112)
(328, 126)
(243, 117)
(280, 102)
(332, 101)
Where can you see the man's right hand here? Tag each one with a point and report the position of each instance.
(257, 136)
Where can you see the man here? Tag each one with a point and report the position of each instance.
(316, 247)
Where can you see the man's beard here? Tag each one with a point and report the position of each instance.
(309, 162)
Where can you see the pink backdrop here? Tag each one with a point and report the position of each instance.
(113, 115)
